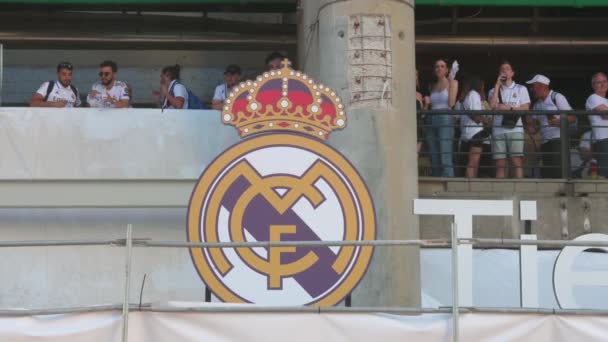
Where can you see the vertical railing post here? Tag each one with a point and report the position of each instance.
(1, 71)
(565, 145)
(455, 288)
(125, 303)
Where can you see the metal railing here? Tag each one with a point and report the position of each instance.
(129, 243)
(568, 144)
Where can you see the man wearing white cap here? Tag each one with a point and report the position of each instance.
(547, 99)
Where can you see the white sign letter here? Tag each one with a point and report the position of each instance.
(463, 212)
(528, 273)
(564, 279)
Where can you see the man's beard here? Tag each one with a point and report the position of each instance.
(108, 82)
(65, 84)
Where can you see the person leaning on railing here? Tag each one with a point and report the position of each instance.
(58, 93)
(232, 77)
(599, 123)
(439, 131)
(475, 129)
(547, 99)
(173, 94)
(109, 92)
(422, 103)
(508, 131)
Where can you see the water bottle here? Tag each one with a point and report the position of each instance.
(454, 70)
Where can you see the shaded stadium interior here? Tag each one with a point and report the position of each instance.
(566, 44)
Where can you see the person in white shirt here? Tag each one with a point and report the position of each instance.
(174, 94)
(508, 132)
(439, 130)
(474, 128)
(547, 99)
(109, 92)
(60, 93)
(232, 77)
(599, 123)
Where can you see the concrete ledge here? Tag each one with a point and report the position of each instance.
(436, 186)
(145, 193)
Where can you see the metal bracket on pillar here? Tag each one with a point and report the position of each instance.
(207, 295)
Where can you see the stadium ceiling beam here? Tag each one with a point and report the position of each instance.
(261, 42)
(516, 3)
(148, 5)
(137, 23)
(35, 40)
(284, 5)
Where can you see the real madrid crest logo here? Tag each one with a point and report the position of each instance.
(282, 183)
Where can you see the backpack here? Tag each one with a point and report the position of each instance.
(194, 102)
(573, 127)
(51, 86)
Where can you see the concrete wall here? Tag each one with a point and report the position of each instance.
(566, 210)
(100, 144)
(25, 70)
(130, 144)
(147, 144)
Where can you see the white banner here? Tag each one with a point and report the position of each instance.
(305, 327)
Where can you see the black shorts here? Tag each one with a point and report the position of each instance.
(478, 139)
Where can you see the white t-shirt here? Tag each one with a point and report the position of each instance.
(119, 91)
(561, 103)
(514, 96)
(468, 127)
(178, 90)
(599, 132)
(220, 92)
(60, 93)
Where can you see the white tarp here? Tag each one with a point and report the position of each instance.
(305, 327)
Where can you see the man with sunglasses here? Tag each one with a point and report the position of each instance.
(109, 92)
(60, 93)
(232, 76)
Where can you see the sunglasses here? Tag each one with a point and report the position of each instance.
(104, 74)
(65, 65)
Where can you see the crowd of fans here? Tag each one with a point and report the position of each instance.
(476, 144)
(109, 92)
(493, 145)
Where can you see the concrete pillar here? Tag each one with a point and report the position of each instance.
(365, 51)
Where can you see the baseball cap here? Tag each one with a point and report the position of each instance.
(233, 69)
(542, 79)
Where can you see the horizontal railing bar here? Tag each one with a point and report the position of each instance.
(59, 243)
(178, 244)
(139, 242)
(544, 243)
(248, 308)
(144, 242)
(57, 311)
(491, 112)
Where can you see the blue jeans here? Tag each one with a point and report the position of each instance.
(439, 136)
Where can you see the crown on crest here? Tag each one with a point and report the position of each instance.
(286, 100)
